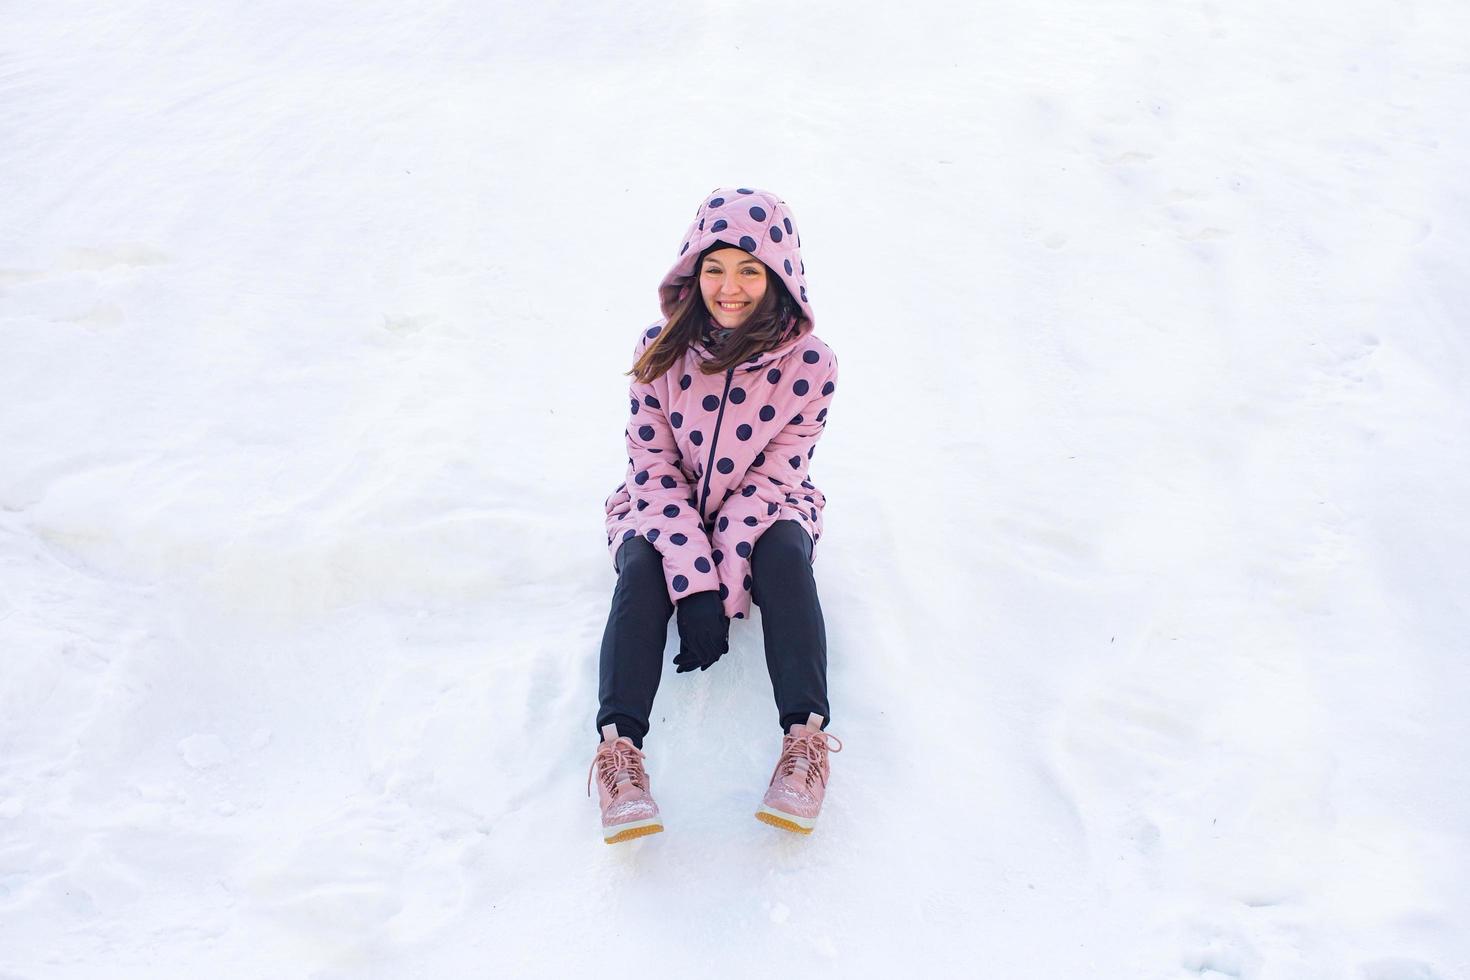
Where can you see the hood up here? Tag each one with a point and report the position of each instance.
(757, 221)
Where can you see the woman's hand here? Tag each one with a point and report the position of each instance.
(704, 631)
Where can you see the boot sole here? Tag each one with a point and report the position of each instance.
(631, 831)
(786, 821)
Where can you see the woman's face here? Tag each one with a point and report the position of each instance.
(732, 282)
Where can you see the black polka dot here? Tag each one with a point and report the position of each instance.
(768, 413)
(811, 452)
(701, 224)
(652, 534)
(716, 202)
(747, 243)
(828, 388)
(724, 522)
(651, 401)
(676, 420)
(652, 332)
(724, 591)
(748, 490)
(814, 513)
(696, 437)
(702, 563)
(685, 382)
(672, 510)
(630, 533)
(787, 223)
(717, 555)
(743, 432)
(787, 264)
(642, 504)
(743, 549)
(746, 583)
(757, 212)
(645, 432)
(726, 465)
(633, 408)
(679, 539)
(720, 225)
(744, 190)
(803, 295)
(801, 386)
(641, 477)
(771, 509)
(798, 420)
(760, 460)
(668, 482)
(684, 249)
(776, 236)
(680, 583)
(751, 521)
(737, 395)
(811, 357)
(711, 402)
(822, 415)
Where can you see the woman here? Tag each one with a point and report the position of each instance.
(729, 396)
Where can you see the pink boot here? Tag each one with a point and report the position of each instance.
(794, 797)
(628, 811)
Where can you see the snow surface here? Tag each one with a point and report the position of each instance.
(1148, 539)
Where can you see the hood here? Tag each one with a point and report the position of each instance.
(755, 220)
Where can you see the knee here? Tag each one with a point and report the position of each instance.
(784, 543)
(639, 558)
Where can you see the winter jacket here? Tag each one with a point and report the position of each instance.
(715, 460)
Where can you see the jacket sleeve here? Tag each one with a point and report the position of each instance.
(664, 509)
(778, 477)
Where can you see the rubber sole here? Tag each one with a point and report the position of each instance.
(641, 829)
(785, 821)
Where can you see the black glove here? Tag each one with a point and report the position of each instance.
(704, 631)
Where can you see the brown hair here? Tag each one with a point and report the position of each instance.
(769, 324)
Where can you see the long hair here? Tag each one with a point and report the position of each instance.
(772, 321)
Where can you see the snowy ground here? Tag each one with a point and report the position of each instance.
(1147, 536)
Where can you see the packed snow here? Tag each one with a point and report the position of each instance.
(1147, 536)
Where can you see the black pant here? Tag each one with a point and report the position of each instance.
(782, 585)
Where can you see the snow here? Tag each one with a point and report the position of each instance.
(1147, 537)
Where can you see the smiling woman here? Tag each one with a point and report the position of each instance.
(732, 282)
(730, 394)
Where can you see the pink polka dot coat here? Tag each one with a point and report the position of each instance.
(715, 460)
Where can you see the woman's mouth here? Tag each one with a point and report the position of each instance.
(731, 307)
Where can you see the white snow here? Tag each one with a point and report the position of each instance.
(1146, 551)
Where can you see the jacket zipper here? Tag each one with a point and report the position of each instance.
(713, 442)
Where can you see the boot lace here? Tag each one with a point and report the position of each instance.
(807, 751)
(616, 760)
